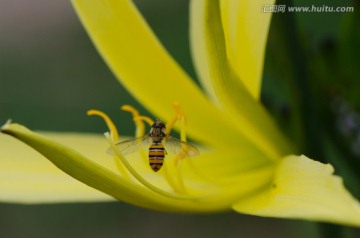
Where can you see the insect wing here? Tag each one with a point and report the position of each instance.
(179, 147)
(132, 145)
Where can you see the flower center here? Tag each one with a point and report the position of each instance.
(172, 173)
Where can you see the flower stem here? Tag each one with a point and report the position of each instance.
(312, 143)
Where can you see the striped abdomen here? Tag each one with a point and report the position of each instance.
(156, 156)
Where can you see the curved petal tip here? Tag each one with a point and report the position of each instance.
(305, 189)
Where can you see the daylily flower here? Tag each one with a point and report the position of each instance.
(245, 165)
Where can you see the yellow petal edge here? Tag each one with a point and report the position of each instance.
(26, 177)
(251, 118)
(305, 189)
(246, 28)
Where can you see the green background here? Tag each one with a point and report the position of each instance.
(50, 75)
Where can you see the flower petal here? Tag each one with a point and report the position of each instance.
(199, 49)
(213, 197)
(306, 189)
(27, 177)
(81, 168)
(146, 69)
(245, 29)
(252, 119)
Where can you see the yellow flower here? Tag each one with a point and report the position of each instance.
(245, 163)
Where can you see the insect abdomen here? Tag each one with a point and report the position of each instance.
(156, 156)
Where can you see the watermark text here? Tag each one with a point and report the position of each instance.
(273, 8)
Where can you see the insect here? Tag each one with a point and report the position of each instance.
(158, 143)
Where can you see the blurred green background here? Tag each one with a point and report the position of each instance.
(50, 75)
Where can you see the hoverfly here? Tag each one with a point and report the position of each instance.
(158, 143)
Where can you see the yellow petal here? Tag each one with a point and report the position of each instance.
(246, 29)
(305, 189)
(252, 119)
(27, 177)
(34, 184)
(145, 68)
(81, 168)
(198, 47)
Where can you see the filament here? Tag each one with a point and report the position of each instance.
(174, 178)
(140, 178)
(114, 136)
(112, 128)
(170, 180)
(140, 127)
(180, 115)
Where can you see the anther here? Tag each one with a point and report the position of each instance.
(179, 114)
(140, 127)
(108, 121)
(178, 109)
(148, 120)
(114, 136)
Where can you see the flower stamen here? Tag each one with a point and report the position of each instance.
(169, 179)
(180, 157)
(180, 116)
(165, 172)
(140, 131)
(114, 136)
(140, 127)
(110, 124)
(148, 120)
(175, 182)
(140, 178)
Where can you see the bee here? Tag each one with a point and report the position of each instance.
(158, 143)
